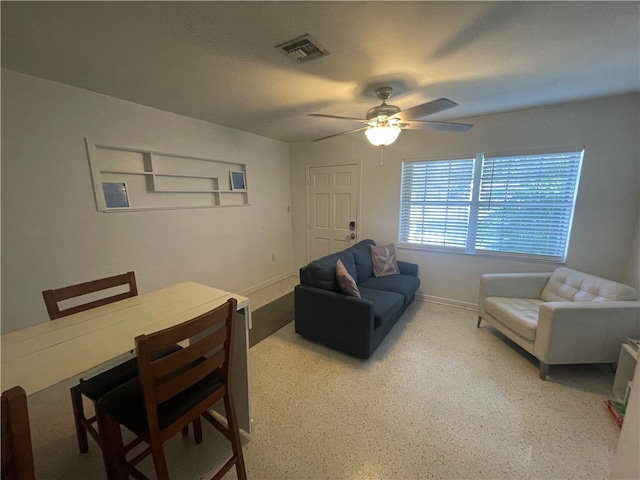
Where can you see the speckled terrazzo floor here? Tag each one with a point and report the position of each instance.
(438, 399)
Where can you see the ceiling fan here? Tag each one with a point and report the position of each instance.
(384, 123)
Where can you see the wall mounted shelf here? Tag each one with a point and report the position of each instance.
(133, 179)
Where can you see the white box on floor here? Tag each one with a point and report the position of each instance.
(624, 373)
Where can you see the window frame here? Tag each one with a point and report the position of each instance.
(474, 204)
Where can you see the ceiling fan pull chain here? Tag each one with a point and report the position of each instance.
(381, 152)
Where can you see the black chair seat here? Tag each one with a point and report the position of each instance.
(97, 386)
(126, 402)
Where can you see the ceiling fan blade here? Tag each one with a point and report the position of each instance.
(335, 116)
(438, 126)
(425, 109)
(338, 134)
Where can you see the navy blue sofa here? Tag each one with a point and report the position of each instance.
(352, 325)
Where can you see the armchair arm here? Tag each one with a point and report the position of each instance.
(407, 268)
(340, 321)
(513, 285)
(584, 332)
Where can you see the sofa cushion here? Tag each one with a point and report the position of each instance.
(406, 285)
(362, 257)
(517, 314)
(569, 285)
(384, 260)
(385, 304)
(321, 273)
(346, 281)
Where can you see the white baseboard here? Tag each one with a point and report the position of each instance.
(419, 296)
(447, 301)
(266, 283)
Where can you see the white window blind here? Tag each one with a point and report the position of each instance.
(526, 203)
(436, 198)
(515, 204)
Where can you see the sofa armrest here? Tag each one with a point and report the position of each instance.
(584, 332)
(407, 268)
(340, 321)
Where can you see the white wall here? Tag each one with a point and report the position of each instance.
(606, 214)
(52, 234)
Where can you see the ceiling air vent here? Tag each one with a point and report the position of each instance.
(303, 49)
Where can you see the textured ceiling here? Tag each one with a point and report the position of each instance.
(216, 61)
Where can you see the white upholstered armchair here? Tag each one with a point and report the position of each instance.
(561, 317)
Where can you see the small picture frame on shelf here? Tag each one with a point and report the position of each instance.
(116, 195)
(238, 183)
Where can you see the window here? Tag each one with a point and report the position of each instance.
(492, 203)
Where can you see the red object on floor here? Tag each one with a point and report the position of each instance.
(616, 415)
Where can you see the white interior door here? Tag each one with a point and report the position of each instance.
(333, 206)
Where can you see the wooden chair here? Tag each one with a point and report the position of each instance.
(173, 391)
(93, 388)
(17, 453)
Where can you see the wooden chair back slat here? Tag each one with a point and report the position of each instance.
(169, 364)
(186, 330)
(53, 297)
(179, 383)
(17, 452)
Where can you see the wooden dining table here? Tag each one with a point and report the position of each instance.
(85, 343)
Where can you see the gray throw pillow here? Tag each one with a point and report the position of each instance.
(346, 281)
(384, 260)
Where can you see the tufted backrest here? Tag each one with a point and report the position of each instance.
(570, 285)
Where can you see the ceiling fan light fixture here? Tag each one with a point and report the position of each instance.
(384, 122)
(382, 136)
